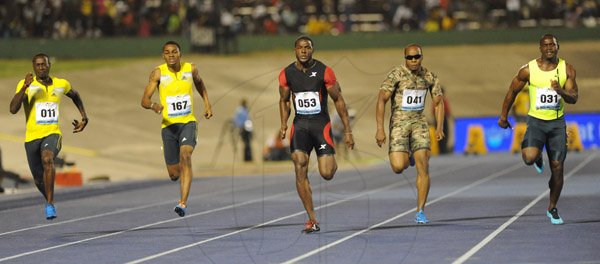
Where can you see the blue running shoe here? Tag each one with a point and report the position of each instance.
(50, 212)
(411, 160)
(180, 209)
(539, 164)
(554, 217)
(420, 218)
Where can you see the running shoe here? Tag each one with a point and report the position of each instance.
(539, 164)
(311, 226)
(420, 218)
(180, 209)
(411, 160)
(50, 211)
(554, 217)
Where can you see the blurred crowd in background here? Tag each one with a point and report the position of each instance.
(143, 18)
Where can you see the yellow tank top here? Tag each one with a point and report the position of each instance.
(42, 107)
(176, 95)
(544, 102)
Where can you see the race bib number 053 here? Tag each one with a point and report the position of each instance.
(46, 113)
(307, 103)
(547, 98)
(413, 100)
(179, 105)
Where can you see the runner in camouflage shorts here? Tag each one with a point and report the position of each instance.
(408, 85)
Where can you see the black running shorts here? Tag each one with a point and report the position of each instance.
(175, 136)
(307, 134)
(33, 150)
(549, 133)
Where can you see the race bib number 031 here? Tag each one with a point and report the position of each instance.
(179, 105)
(413, 100)
(46, 113)
(307, 103)
(547, 98)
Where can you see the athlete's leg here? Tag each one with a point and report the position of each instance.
(185, 163)
(300, 160)
(49, 174)
(423, 182)
(34, 159)
(327, 166)
(556, 182)
(530, 154)
(399, 161)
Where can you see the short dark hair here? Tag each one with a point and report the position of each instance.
(172, 42)
(40, 55)
(304, 37)
(548, 35)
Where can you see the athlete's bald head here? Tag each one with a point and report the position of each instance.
(411, 47)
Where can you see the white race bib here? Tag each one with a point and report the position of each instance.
(307, 103)
(46, 113)
(179, 105)
(547, 98)
(413, 100)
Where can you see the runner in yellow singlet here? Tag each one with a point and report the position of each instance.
(551, 83)
(40, 97)
(174, 80)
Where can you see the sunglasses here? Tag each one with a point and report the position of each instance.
(411, 57)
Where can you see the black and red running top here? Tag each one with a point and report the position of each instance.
(309, 89)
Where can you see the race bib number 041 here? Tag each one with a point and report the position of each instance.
(413, 100)
(46, 113)
(307, 103)
(179, 105)
(547, 98)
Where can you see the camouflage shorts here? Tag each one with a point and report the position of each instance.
(409, 135)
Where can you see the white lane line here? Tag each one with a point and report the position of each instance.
(124, 211)
(496, 232)
(266, 223)
(453, 168)
(148, 225)
(339, 241)
(457, 167)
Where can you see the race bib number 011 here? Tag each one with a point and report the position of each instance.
(46, 113)
(179, 105)
(547, 98)
(413, 100)
(307, 103)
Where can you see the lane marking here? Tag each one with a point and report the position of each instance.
(400, 183)
(118, 211)
(264, 223)
(454, 168)
(496, 232)
(144, 226)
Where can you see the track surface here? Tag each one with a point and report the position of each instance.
(488, 209)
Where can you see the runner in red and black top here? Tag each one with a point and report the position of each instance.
(308, 82)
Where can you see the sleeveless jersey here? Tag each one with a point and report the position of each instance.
(176, 95)
(42, 107)
(309, 89)
(544, 102)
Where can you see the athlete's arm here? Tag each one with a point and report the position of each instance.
(17, 101)
(438, 103)
(571, 92)
(149, 91)
(382, 99)
(77, 125)
(284, 109)
(515, 87)
(335, 93)
(199, 83)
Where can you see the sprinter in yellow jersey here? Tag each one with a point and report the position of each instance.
(551, 83)
(40, 96)
(174, 81)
